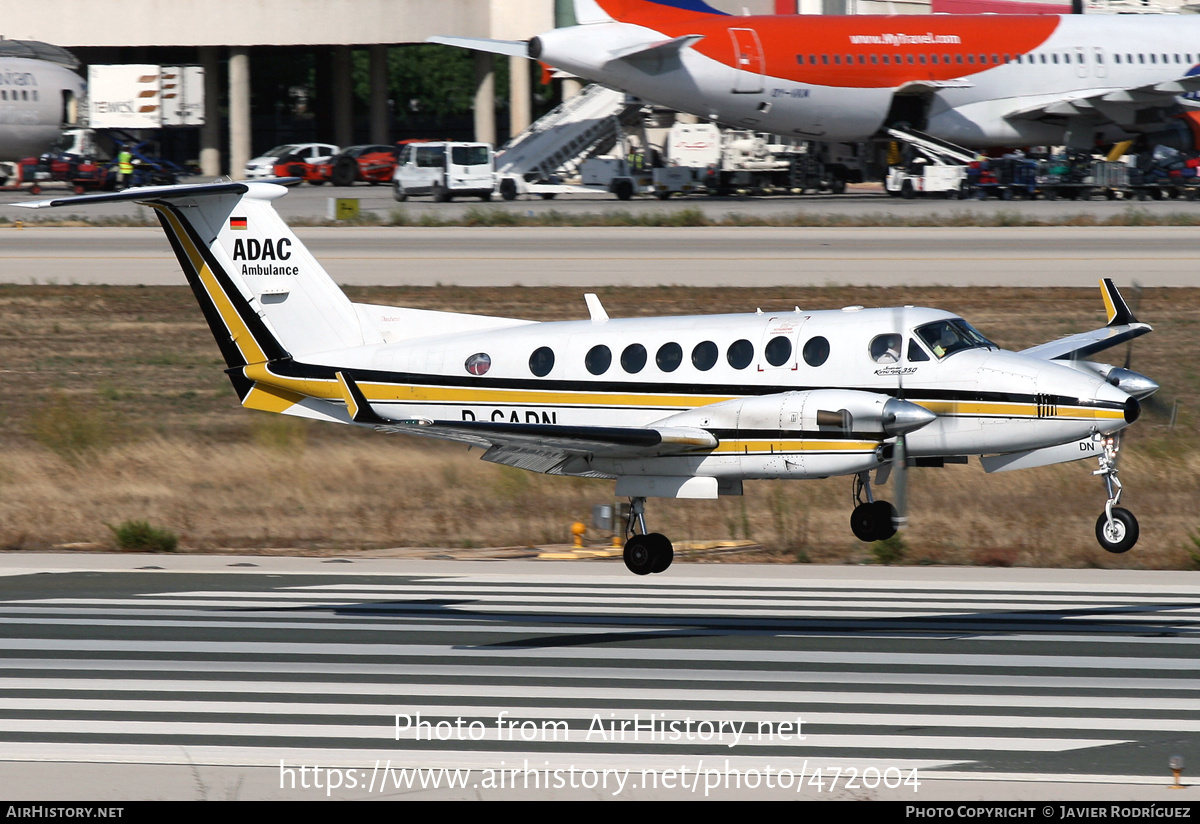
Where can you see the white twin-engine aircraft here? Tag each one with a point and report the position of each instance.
(675, 407)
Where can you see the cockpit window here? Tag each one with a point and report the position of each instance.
(945, 337)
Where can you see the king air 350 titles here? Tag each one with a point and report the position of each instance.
(252, 248)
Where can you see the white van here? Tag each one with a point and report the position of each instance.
(445, 171)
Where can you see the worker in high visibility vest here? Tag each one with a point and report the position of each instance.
(124, 167)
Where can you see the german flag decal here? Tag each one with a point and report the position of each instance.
(237, 223)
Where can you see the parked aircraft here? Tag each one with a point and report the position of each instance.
(39, 97)
(975, 80)
(675, 407)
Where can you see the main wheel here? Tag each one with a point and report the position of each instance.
(885, 520)
(640, 555)
(662, 553)
(1121, 535)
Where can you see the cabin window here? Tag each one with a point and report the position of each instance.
(910, 60)
(778, 350)
(886, 348)
(971, 59)
(800, 59)
(479, 363)
(958, 59)
(816, 351)
(1116, 58)
(669, 356)
(598, 359)
(1007, 59)
(874, 59)
(704, 356)
(633, 359)
(921, 58)
(825, 60)
(933, 58)
(915, 352)
(541, 361)
(740, 353)
(885, 60)
(862, 59)
(995, 60)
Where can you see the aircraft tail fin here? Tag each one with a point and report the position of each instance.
(632, 11)
(263, 294)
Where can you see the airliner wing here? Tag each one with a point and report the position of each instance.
(1118, 105)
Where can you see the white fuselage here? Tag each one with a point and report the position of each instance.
(38, 99)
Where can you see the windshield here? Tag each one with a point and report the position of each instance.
(469, 155)
(280, 151)
(945, 337)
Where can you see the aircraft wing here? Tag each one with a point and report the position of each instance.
(1117, 105)
(1122, 326)
(513, 48)
(539, 447)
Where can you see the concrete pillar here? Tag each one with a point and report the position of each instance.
(570, 88)
(380, 115)
(520, 96)
(343, 97)
(239, 112)
(210, 132)
(485, 97)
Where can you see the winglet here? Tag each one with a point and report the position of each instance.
(1115, 305)
(356, 402)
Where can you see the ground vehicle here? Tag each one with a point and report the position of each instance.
(371, 163)
(444, 171)
(667, 406)
(264, 164)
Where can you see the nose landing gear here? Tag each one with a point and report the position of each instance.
(1116, 529)
(645, 552)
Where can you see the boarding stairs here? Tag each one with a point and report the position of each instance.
(584, 125)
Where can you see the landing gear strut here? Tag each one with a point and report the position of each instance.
(871, 520)
(1116, 529)
(645, 552)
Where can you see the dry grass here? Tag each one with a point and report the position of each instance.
(116, 409)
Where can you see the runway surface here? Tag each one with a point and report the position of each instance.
(723, 256)
(159, 677)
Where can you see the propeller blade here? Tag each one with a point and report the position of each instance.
(900, 468)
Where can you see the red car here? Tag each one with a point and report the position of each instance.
(373, 163)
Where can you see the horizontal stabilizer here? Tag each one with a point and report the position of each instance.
(1122, 326)
(143, 193)
(513, 48)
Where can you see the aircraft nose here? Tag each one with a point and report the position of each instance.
(901, 417)
(1132, 383)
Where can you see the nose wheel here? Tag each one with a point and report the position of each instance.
(645, 552)
(1116, 528)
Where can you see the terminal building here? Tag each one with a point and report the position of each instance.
(277, 72)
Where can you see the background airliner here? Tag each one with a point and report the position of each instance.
(976, 80)
(38, 99)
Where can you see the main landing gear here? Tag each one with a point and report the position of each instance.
(871, 520)
(1116, 528)
(645, 552)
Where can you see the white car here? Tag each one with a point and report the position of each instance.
(264, 164)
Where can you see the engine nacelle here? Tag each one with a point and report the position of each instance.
(837, 412)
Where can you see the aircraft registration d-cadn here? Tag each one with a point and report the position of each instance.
(976, 80)
(684, 407)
